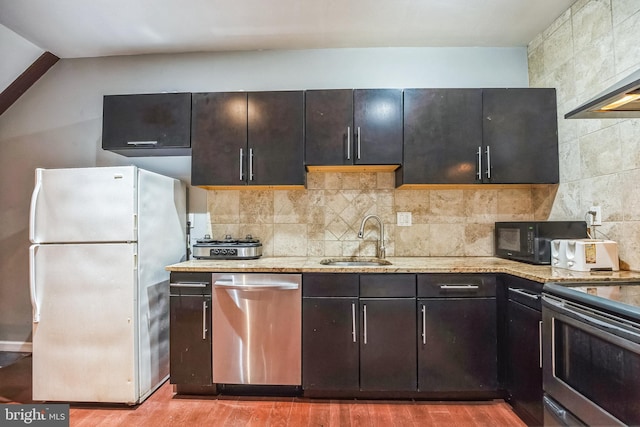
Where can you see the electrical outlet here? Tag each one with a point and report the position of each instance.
(597, 218)
(404, 219)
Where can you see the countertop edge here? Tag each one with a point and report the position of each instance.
(492, 265)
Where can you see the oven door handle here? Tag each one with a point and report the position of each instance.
(230, 284)
(594, 320)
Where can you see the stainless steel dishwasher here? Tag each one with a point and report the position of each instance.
(257, 329)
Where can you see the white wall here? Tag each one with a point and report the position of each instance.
(58, 123)
(17, 55)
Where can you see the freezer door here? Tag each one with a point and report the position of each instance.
(84, 205)
(84, 341)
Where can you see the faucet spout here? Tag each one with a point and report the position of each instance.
(381, 249)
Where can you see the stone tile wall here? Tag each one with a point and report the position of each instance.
(324, 218)
(590, 47)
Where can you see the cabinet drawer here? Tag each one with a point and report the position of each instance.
(330, 285)
(456, 285)
(387, 285)
(525, 292)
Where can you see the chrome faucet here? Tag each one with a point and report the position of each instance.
(381, 249)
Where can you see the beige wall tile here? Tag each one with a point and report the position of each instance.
(446, 239)
(630, 195)
(413, 240)
(256, 206)
(515, 205)
(558, 48)
(542, 198)
(600, 153)
(629, 131)
(446, 206)
(478, 240)
(324, 220)
(225, 206)
(624, 9)
(480, 205)
(590, 23)
(571, 161)
(290, 207)
(289, 239)
(627, 43)
(629, 246)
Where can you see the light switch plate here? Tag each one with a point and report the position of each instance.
(404, 219)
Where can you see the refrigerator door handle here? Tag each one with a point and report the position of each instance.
(34, 202)
(32, 284)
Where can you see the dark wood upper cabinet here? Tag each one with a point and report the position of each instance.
(276, 138)
(520, 129)
(347, 127)
(253, 138)
(466, 136)
(442, 134)
(157, 124)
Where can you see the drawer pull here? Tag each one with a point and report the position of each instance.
(525, 293)
(459, 287)
(142, 143)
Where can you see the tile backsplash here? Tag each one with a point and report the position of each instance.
(324, 218)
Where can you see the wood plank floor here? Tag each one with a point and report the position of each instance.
(165, 408)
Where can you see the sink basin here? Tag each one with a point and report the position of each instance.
(355, 261)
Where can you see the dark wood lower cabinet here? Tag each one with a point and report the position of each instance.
(330, 352)
(458, 352)
(388, 344)
(400, 335)
(190, 331)
(523, 358)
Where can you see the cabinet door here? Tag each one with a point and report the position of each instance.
(219, 133)
(388, 344)
(276, 138)
(190, 354)
(329, 127)
(147, 124)
(520, 130)
(458, 351)
(329, 344)
(442, 135)
(524, 373)
(377, 117)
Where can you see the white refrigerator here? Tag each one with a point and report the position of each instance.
(99, 290)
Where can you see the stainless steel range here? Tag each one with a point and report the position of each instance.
(227, 248)
(591, 345)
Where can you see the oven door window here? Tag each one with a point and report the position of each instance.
(600, 369)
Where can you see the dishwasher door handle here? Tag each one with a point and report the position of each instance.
(230, 284)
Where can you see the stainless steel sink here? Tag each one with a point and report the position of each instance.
(354, 261)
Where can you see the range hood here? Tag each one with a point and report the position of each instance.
(620, 101)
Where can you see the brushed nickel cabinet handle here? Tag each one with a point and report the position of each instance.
(364, 309)
(353, 321)
(241, 171)
(250, 164)
(348, 142)
(424, 324)
(204, 320)
(488, 162)
(479, 173)
(540, 342)
(142, 143)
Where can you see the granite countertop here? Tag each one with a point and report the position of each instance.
(536, 273)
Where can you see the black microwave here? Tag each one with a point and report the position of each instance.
(530, 241)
